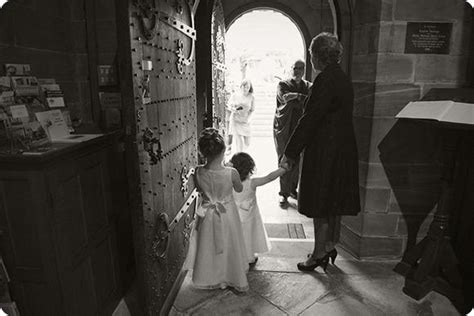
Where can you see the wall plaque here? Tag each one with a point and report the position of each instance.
(428, 38)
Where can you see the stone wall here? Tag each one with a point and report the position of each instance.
(53, 37)
(399, 169)
(48, 36)
(398, 160)
(106, 29)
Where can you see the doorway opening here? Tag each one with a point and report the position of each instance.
(261, 46)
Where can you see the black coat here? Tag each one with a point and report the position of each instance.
(288, 113)
(329, 180)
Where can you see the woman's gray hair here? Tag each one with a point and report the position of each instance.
(327, 48)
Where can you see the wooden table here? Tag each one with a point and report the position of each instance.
(56, 229)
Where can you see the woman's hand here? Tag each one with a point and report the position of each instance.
(287, 163)
(235, 108)
(290, 96)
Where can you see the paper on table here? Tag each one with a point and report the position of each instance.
(77, 138)
(19, 111)
(462, 113)
(50, 87)
(53, 123)
(443, 111)
(7, 97)
(55, 102)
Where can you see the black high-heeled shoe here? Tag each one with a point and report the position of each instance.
(332, 255)
(320, 262)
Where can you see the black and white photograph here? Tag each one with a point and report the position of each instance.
(236, 157)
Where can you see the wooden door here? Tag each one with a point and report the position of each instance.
(157, 74)
(219, 97)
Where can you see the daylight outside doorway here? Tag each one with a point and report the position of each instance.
(261, 45)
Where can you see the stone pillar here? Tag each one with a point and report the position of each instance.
(399, 172)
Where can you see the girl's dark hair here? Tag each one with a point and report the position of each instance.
(210, 143)
(244, 164)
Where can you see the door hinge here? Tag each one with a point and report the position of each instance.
(149, 143)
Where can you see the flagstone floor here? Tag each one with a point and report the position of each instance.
(350, 287)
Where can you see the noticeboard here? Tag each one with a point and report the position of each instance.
(428, 38)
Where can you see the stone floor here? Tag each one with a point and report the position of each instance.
(350, 287)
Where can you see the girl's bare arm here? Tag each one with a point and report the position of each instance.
(259, 181)
(236, 183)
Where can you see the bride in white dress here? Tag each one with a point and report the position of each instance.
(241, 105)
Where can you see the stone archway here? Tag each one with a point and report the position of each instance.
(331, 16)
(285, 10)
(343, 14)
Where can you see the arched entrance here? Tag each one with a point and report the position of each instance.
(312, 17)
(289, 13)
(261, 45)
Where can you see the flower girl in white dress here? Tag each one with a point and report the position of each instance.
(217, 252)
(255, 235)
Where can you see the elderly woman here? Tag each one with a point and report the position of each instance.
(329, 185)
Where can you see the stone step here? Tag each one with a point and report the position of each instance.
(262, 128)
(284, 255)
(265, 100)
(264, 111)
(289, 247)
(266, 115)
(265, 107)
(256, 120)
(269, 111)
(262, 125)
(262, 121)
(262, 134)
(262, 118)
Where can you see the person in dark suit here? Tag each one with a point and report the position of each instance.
(291, 94)
(324, 135)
